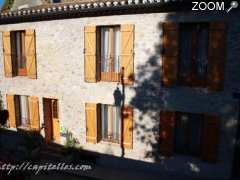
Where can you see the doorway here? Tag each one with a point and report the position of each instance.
(51, 120)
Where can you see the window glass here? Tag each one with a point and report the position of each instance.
(185, 64)
(202, 52)
(18, 52)
(104, 49)
(188, 133)
(111, 119)
(116, 49)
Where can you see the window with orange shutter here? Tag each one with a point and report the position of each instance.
(108, 58)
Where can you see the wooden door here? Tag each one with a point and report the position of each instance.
(51, 120)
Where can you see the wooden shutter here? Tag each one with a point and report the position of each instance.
(91, 123)
(167, 128)
(210, 138)
(127, 53)
(34, 113)
(169, 54)
(127, 127)
(8, 67)
(216, 56)
(90, 64)
(30, 49)
(11, 111)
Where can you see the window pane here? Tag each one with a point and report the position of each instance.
(181, 133)
(116, 53)
(24, 110)
(104, 49)
(196, 128)
(22, 53)
(185, 64)
(104, 111)
(19, 44)
(116, 123)
(202, 45)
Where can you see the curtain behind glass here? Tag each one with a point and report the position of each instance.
(116, 123)
(24, 110)
(105, 49)
(104, 112)
(116, 52)
(202, 45)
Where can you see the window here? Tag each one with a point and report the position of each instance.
(193, 54)
(108, 40)
(105, 123)
(188, 133)
(56, 1)
(18, 53)
(111, 123)
(22, 111)
(109, 52)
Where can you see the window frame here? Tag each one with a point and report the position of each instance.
(111, 75)
(18, 113)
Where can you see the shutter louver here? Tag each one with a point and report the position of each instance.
(11, 111)
(127, 127)
(8, 67)
(91, 122)
(170, 54)
(90, 64)
(166, 132)
(216, 56)
(34, 113)
(211, 128)
(127, 53)
(30, 48)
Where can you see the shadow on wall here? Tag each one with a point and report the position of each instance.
(150, 97)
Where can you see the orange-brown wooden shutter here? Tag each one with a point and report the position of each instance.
(30, 49)
(210, 138)
(127, 127)
(34, 113)
(169, 54)
(167, 128)
(7, 54)
(91, 122)
(11, 111)
(127, 53)
(90, 64)
(216, 56)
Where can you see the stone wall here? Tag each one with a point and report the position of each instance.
(60, 62)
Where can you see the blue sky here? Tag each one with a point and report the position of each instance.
(1, 3)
